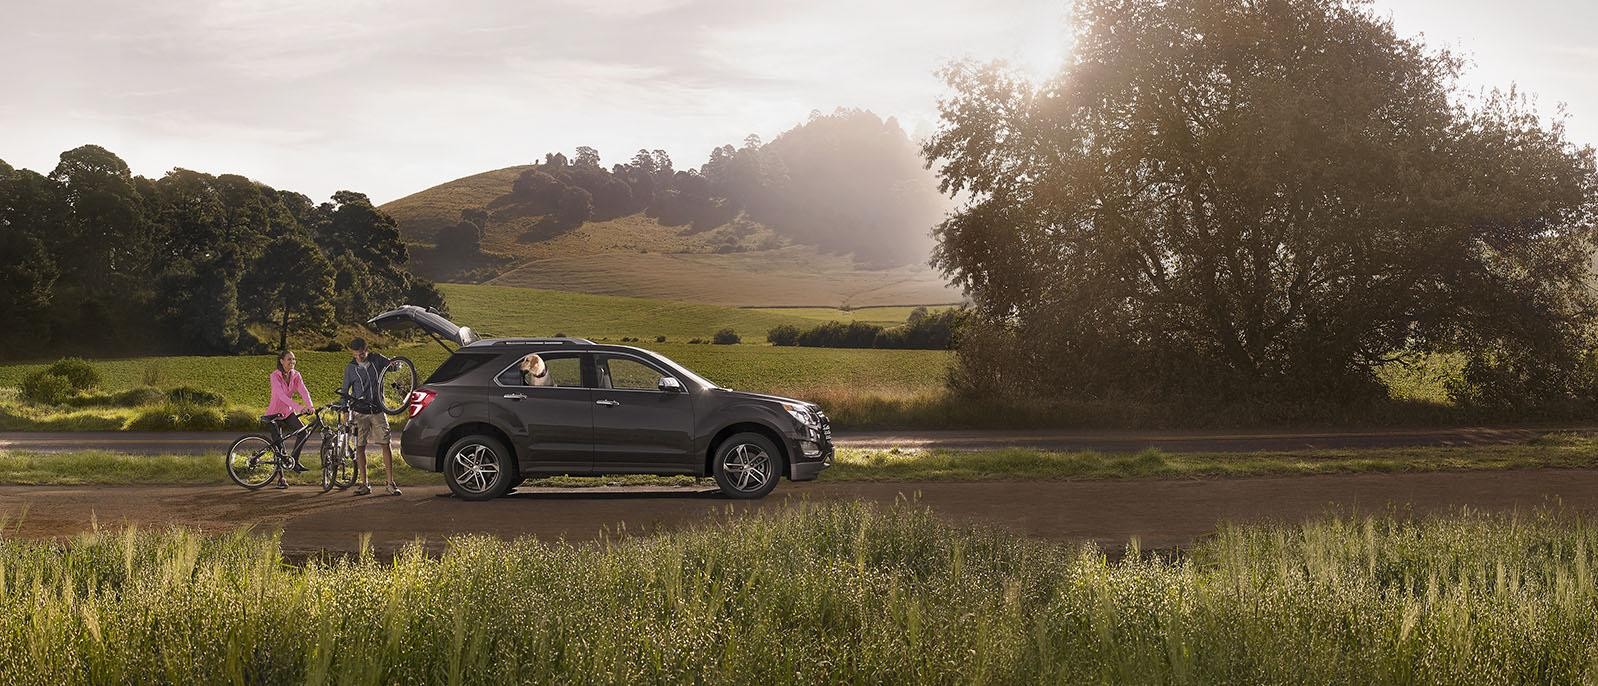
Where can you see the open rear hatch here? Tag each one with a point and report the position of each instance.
(428, 320)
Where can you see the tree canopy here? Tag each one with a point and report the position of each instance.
(1260, 199)
(92, 256)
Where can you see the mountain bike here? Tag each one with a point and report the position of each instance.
(255, 460)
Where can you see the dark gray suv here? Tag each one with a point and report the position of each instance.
(599, 409)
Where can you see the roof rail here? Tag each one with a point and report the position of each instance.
(524, 341)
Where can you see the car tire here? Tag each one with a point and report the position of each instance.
(479, 467)
(746, 466)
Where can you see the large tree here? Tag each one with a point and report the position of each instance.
(1268, 198)
(290, 286)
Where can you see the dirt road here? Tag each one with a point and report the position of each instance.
(1105, 441)
(1161, 513)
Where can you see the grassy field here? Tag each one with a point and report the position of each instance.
(836, 594)
(826, 374)
(506, 311)
(740, 263)
(789, 276)
(1014, 464)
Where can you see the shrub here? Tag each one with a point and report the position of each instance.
(783, 334)
(660, 339)
(46, 388)
(76, 371)
(695, 341)
(179, 416)
(840, 335)
(154, 373)
(195, 396)
(135, 397)
(726, 337)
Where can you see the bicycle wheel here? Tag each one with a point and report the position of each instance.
(343, 473)
(398, 380)
(252, 461)
(328, 465)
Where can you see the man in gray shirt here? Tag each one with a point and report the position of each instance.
(362, 381)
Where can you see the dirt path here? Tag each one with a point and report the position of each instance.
(1161, 513)
(1105, 441)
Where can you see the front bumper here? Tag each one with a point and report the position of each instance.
(807, 464)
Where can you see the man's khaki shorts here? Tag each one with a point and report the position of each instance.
(371, 429)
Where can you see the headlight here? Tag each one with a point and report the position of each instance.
(802, 414)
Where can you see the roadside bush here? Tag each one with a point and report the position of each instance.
(195, 396)
(177, 415)
(783, 334)
(726, 337)
(77, 371)
(695, 341)
(660, 339)
(46, 388)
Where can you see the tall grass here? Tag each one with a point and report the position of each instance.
(837, 594)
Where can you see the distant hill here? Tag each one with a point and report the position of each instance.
(830, 214)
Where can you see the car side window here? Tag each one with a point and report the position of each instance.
(628, 374)
(563, 370)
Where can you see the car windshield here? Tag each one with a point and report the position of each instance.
(700, 380)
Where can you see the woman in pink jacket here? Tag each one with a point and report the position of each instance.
(286, 382)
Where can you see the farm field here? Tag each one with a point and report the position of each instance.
(889, 594)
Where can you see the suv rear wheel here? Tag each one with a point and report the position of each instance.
(747, 465)
(479, 467)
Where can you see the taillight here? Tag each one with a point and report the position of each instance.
(419, 401)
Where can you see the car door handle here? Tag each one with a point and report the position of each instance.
(515, 396)
(606, 403)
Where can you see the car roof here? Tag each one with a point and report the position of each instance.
(497, 344)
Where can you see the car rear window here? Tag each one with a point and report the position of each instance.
(459, 364)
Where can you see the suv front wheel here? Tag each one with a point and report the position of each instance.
(747, 465)
(479, 468)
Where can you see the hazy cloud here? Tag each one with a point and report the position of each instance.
(391, 97)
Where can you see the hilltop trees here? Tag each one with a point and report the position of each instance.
(1260, 200)
(92, 256)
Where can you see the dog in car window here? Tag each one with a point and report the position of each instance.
(535, 372)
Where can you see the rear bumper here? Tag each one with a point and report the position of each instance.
(419, 447)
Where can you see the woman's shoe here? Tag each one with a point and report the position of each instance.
(393, 489)
(281, 485)
(364, 489)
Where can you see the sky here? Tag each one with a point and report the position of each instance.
(389, 98)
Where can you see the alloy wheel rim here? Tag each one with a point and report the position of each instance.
(747, 466)
(476, 468)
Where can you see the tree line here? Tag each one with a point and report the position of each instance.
(95, 258)
(1262, 201)
(847, 182)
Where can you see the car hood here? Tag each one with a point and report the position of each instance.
(428, 320)
(769, 398)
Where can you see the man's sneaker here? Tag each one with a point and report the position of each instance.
(394, 490)
(297, 466)
(364, 489)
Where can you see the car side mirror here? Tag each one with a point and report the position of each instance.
(669, 384)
